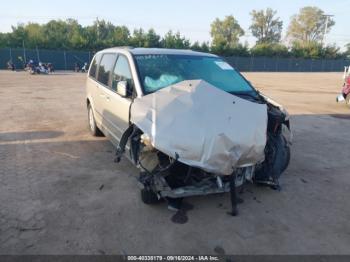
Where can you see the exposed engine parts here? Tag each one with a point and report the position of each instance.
(162, 176)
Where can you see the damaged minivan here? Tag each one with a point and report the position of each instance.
(190, 122)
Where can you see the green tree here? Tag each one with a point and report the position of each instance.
(315, 50)
(90, 34)
(238, 50)
(270, 50)
(75, 35)
(201, 47)
(205, 47)
(152, 39)
(306, 50)
(69, 34)
(121, 36)
(142, 39)
(177, 41)
(226, 33)
(265, 26)
(56, 34)
(17, 36)
(346, 53)
(196, 46)
(104, 33)
(77, 40)
(332, 51)
(34, 36)
(3, 40)
(138, 38)
(309, 25)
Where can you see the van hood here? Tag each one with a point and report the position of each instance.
(206, 127)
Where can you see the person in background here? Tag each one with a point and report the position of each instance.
(76, 67)
(11, 65)
(50, 67)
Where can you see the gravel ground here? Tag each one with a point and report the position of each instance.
(61, 192)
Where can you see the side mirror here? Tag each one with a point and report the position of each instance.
(122, 88)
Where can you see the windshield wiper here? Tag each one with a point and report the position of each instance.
(256, 96)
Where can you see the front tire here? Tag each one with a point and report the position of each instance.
(287, 155)
(94, 130)
(148, 197)
(277, 157)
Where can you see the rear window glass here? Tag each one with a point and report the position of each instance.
(93, 66)
(105, 68)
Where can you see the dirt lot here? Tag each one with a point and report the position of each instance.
(61, 192)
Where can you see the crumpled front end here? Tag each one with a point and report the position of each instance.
(203, 126)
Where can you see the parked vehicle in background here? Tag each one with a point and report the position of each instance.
(345, 93)
(191, 123)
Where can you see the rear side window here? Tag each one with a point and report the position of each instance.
(122, 73)
(93, 67)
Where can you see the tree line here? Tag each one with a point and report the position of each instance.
(304, 38)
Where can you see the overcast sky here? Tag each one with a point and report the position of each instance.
(191, 17)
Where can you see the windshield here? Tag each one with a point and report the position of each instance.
(159, 71)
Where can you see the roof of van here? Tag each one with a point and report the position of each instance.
(160, 51)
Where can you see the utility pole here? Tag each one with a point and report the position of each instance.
(325, 29)
(24, 52)
(37, 54)
(98, 29)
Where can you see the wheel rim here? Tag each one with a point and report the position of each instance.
(91, 120)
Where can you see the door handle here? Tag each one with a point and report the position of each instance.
(107, 97)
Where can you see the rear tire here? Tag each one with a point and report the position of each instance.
(347, 100)
(94, 130)
(149, 197)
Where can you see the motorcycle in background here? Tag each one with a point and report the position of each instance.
(40, 68)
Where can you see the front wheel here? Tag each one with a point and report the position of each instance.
(149, 197)
(286, 155)
(277, 157)
(94, 130)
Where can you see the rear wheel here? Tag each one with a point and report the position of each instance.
(347, 100)
(94, 130)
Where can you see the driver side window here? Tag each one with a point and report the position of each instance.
(122, 72)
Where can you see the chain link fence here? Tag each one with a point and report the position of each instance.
(66, 60)
(277, 64)
(61, 59)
